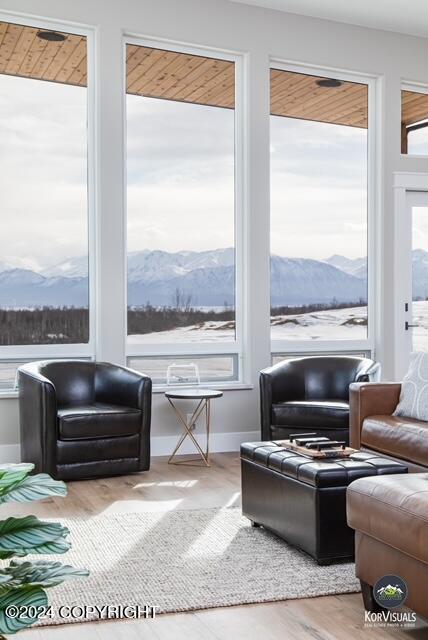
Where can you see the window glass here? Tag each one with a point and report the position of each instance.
(180, 197)
(210, 368)
(414, 123)
(43, 176)
(318, 208)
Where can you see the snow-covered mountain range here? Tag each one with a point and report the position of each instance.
(207, 277)
(355, 267)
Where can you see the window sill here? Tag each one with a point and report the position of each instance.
(222, 386)
(8, 394)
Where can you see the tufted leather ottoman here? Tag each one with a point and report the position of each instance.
(304, 501)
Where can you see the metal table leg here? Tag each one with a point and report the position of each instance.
(202, 406)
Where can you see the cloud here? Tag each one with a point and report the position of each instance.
(318, 189)
(180, 169)
(43, 171)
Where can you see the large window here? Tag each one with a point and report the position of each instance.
(319, 150)
(44, 292)
(181, 207)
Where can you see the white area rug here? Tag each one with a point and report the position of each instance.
(187, 560)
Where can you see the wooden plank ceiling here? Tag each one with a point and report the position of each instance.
(169, 75)
(23, 53)
(414, 107)
(188, 78)
(298, 95)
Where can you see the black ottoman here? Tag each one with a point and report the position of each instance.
(304, 501)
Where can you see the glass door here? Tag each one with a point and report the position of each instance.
(416, 274)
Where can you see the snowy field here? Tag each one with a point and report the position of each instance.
(340, 324)
(218, 331)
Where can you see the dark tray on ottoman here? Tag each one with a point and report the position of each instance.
(304, 501)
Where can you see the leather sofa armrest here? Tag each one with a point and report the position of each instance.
(128, 388)
(369, 399)
(278, 383)
(38, 419)
(282, 382)
(265, 404)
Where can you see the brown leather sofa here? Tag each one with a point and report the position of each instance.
(389, 513)
(374, 428)
(390, 518)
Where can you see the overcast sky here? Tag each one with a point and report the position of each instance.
(42, 171)
(180, 178)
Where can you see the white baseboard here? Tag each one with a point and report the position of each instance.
(10, 453)
(219, 442)
(164, 445)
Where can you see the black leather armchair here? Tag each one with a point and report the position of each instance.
(82, 419)
(311, 394)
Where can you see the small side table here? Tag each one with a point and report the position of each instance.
(203, 398)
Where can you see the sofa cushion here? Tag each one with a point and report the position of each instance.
(392, 509)
(333, 414)
(399, 437)
(414, 389)
(97, 420)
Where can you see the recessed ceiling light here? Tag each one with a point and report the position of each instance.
(329, 82)
(51, 36)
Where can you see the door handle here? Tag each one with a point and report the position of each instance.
(407, 326)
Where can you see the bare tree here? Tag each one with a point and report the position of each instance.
(181, 300)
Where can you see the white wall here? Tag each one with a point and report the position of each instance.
(259, 34)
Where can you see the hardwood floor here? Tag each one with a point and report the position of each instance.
(168, 487)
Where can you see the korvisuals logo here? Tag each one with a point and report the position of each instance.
(390, 592)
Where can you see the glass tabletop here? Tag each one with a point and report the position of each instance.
(193, 394)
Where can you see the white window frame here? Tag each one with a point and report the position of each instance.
(84, 350)
(290, 354)
(415, 87)
(407, 188)
(235, 347)
(373, 205)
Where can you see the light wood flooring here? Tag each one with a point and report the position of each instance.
(167, 487)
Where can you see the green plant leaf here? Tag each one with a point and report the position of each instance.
(10, 475)
(20, 597)
(31, 488)
(42, 573)
(20, 536)
(20, 466)
(22, 583)
(6, 582)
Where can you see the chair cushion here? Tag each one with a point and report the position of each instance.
(392, 509)
(403, 438)
(97, 420)
(333, 414)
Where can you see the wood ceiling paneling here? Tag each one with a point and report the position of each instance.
(24, 54)
(297, 95)
(188, 78)
(178, 76)
(414, 107)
